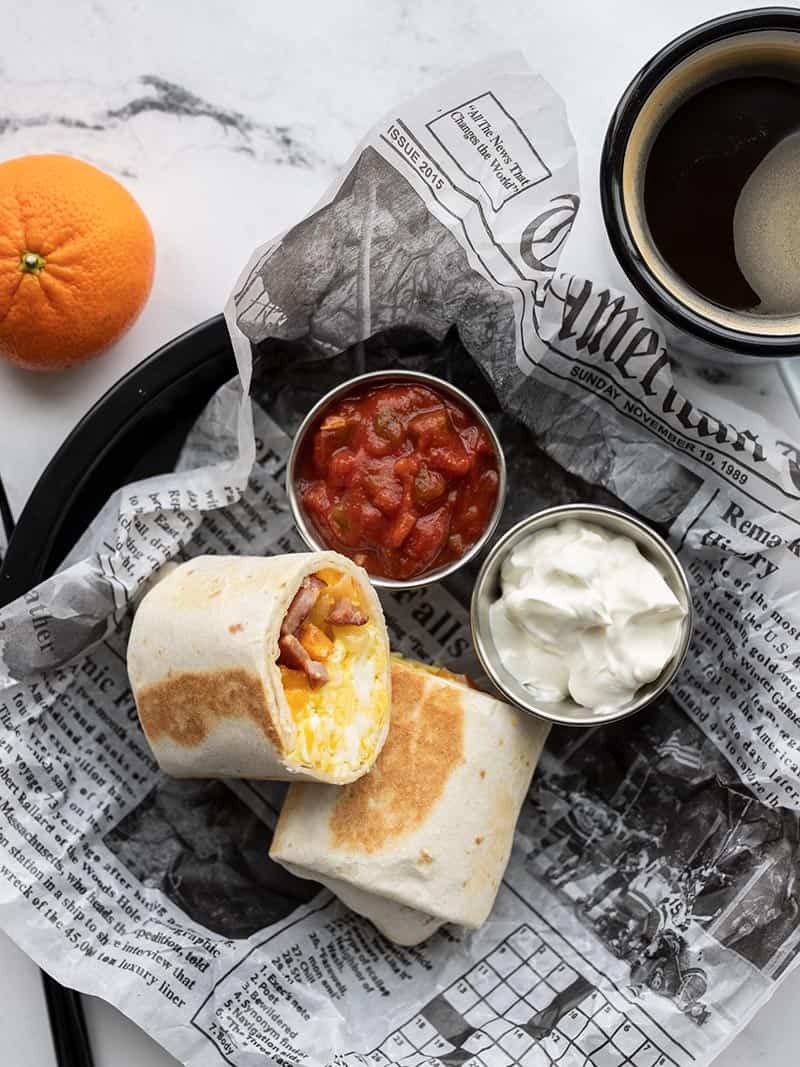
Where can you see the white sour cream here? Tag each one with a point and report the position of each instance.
(583, 614)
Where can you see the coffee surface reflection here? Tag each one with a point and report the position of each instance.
(720, 193)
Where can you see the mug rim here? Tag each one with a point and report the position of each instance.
(644, 280)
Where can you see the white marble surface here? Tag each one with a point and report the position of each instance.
(226, 120)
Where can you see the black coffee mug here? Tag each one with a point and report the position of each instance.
(727, 47)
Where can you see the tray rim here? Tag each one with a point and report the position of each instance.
(87, 444)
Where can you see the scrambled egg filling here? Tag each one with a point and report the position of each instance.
(338, 725)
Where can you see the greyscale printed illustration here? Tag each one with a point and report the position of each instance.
(648, 836)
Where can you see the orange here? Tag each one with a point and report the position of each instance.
(76, 261)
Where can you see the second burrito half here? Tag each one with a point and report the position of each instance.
(425, 837)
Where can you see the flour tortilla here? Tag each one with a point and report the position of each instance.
(202, 666)
(425, 837)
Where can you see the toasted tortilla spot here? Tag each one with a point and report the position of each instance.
(235, 628)
(186, 707)
(483, 774)
(424, 746)
(478, 840)
(425, 856)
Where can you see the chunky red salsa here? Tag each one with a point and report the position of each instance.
(399, 478)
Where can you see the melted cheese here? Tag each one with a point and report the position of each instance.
(338, 725)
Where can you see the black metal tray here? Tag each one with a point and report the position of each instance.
(135, 430)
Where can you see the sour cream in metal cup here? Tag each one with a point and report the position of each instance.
(358, 384)
(487, 590)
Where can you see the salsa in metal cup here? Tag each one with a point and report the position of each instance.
(399, 477)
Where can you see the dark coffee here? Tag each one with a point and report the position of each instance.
(698, 166)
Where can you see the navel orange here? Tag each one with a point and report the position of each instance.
(76, 261)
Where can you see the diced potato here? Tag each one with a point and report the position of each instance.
(315, 642)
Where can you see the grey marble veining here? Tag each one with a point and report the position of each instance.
(153, 95)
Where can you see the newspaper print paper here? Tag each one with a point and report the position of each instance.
(652, 899)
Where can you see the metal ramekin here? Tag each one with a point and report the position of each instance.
(487, 590)
(306, 529)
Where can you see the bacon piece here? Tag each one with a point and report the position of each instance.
(300, 608)
(345, 613)
(293, 655)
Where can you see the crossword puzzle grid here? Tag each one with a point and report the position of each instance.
(521, 1004)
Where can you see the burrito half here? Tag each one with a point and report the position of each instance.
(245, 667)
(425, 837)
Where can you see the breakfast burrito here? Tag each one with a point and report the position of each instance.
(245, 667)
(425, 837)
